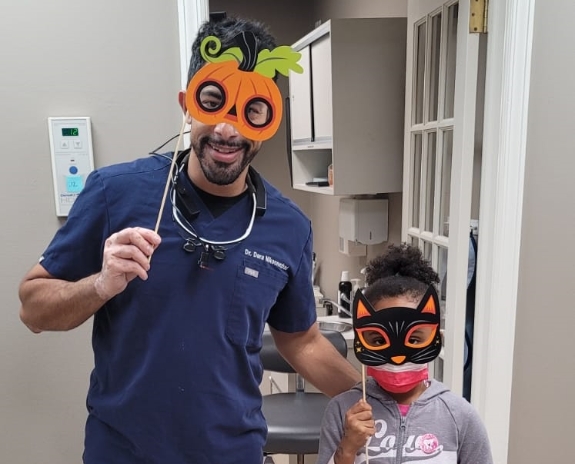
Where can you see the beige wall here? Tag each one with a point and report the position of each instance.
(542, 415)
(329, 9)
(61, 58)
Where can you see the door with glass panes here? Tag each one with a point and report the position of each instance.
(442, 146)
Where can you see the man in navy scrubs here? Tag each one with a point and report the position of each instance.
(179, 314)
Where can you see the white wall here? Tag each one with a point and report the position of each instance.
(119, 65)
(542, 407)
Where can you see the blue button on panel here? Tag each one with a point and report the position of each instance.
(73, 170)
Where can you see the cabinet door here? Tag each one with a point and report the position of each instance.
(300, 99)
(321, 88)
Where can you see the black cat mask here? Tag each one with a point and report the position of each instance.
(397, 335)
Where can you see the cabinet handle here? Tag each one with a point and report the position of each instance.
(288, 137)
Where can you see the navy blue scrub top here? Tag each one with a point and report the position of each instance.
(177, 368)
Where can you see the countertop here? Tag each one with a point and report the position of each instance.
(347, 335)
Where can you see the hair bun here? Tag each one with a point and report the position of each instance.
(401, 260)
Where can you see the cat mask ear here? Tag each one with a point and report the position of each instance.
(397, 335)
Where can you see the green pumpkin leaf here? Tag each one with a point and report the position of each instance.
(280, 59)
(211, 54)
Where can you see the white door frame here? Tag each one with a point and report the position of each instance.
(191, 14)
(461, 183)
(510, 29)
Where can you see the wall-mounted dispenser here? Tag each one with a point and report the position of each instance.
(362, 222)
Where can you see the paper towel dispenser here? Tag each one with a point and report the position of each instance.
(362, 222)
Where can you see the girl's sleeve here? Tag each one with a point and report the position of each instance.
(474, 443)
(331, 432)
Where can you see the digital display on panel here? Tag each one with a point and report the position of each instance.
(70, 131)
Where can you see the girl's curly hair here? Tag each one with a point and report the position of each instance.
(400, 271)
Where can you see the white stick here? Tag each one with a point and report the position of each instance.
(363, 380)
(169, 179)
(363, 388)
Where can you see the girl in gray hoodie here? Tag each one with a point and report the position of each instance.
(405, 417)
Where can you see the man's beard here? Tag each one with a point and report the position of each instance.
(218, 172)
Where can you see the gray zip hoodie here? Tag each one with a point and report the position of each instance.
(440, 428)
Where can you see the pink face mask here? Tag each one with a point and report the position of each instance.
(398, 379)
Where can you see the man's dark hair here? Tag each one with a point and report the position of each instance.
(226, 30)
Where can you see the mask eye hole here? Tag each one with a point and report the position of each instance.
(420, 335)
(211, 96)
(258, 112)
(373, 338)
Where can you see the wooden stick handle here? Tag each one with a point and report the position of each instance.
(364, 396)
(169, 179)
(363, 380)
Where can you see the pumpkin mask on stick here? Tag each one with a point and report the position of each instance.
(236, 86)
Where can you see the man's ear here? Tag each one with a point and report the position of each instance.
(182, 103)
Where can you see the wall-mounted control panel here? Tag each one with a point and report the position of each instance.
(72, 159)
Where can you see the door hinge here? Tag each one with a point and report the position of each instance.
(478, 16)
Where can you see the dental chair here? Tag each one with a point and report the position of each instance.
(294, 418)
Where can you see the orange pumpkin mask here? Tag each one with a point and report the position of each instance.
(233, 89)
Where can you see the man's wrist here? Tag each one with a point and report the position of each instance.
(99, 288)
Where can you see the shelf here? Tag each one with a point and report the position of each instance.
(308, 188)
(316, 145)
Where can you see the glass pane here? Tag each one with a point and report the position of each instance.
(419, 72)
(442, 271)
(413, 241)
(452, 13)
(445, 183)
(416, 179)
(427, 249)
(430, 180)
(434, 67)
(438, 369)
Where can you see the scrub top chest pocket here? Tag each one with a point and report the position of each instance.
(256, 288)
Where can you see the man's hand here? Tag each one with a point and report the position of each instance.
(126, 256)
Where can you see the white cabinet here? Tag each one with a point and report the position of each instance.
(300, 99)
(321, 89)
(347, 108)
(310, 96)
